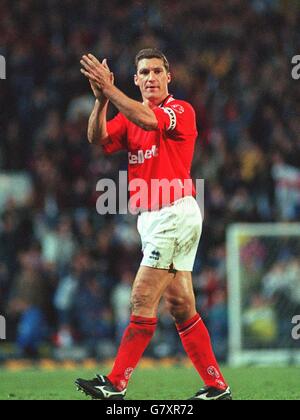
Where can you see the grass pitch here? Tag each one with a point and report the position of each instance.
(170, 383)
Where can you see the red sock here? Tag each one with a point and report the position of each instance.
(134, 342)
(196, 342)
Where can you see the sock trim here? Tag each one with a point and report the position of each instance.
(190, 328)
(186, 326)
(144, 323)
(139, 320)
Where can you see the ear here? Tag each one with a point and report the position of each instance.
(136, 80)
(169, 78)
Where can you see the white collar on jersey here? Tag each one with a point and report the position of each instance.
(166, 101)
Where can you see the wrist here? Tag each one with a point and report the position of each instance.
(101, 101)
(107, 90)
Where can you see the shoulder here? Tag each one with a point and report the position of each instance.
(179, 106)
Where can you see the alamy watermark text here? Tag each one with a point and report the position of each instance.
(296, 67)
(2, 68)
(296, 329)
(145, 196)
(2, 328)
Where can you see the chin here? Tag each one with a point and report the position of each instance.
(153, 96)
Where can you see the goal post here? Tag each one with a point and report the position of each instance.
(263, 269)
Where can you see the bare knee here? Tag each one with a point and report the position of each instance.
(181, 308)
(149, 286)
(141, 302)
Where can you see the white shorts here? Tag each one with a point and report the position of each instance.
(170, 236)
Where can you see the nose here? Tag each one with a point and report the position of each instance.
(151, 76)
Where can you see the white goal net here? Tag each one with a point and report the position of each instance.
(264, 293)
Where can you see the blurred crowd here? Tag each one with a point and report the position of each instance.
(65, 271)
(271, 291)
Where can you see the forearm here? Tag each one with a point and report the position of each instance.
(133, 110)
(97, 130)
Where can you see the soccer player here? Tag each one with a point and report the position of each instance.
(159, 135)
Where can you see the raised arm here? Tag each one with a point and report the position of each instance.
(97, 131)
(136, 112)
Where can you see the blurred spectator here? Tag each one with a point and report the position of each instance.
(260, 323)
(59, 245)
(217, 324)
(287, 191)
(281, 287)
(27, 303)
(94, 317)
(121, 301)
(8, 244)
(64, 298)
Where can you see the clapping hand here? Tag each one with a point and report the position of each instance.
(98, 74)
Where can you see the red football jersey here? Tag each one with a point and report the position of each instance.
(159, 161)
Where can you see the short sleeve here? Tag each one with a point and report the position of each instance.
(179, 118)
(166, 118)
(117, 133)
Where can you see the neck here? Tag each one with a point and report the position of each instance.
(153, 103)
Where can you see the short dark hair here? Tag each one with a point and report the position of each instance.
(149, 53)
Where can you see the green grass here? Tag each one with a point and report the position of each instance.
(176, 383)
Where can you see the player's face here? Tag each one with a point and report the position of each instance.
(152, 78)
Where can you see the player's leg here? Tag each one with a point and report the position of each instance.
(180, 300)
(148, 289)
(149, 286)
